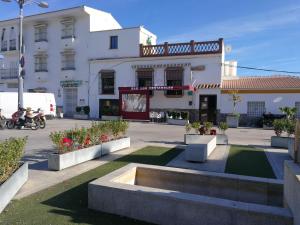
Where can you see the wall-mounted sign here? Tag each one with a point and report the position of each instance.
(71, 83)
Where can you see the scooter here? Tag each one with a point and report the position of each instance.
(19, 120)
(40, 118)
(3, 121)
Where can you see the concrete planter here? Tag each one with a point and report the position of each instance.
(109, 118)
(61, 161)
(12, 185)
(192, 138)
(291, 147)
(177, 122)
(280, 142)
(115, 145)
(81, 116)
(222, 139)
(232, 121)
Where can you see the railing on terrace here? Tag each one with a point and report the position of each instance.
(9, 74)
(189, 48)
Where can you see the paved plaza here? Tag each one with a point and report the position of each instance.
(142, 134)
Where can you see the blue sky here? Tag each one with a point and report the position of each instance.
(262, 33)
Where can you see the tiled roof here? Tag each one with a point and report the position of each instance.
(267, 82)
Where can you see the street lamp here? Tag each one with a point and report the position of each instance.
(21, 71)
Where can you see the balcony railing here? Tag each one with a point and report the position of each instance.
(9, 74)
(189, 48)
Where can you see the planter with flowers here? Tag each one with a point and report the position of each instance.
(13, 173)
(178, 118)
(222, 138)
(80, 145)
(233, 118)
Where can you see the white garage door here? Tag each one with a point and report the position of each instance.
(70, 101)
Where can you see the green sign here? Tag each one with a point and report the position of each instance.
(190, 93)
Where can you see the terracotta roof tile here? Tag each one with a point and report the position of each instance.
(267, 82)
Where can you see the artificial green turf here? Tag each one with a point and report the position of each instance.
(249, 161)
(66, 203)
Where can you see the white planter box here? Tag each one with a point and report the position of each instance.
(177, 122)
(222, 139)
(192, 138)
(115, 145)
(200, 152)
(81, 117)
(280, 142)
(109, 118)
(12, 185)
(291, 147)
(62, 161)
(232, 121)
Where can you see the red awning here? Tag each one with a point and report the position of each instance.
(157, 88)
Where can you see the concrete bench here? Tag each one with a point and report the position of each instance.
(199, 152)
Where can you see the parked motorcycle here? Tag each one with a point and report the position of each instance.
(20, 120)
(3, 120)
(40, 118)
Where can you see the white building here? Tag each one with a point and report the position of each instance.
(85, 57)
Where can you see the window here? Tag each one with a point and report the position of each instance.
(3, 41)
(68, 60)
(297, 105)
(109, 107)
(40, 33)
(174, 77)
(256, 109)
(67, 28)
(107, 82)
(40, 63)
(12, 39)
(12, 85)
(113, 42)
(145, 78)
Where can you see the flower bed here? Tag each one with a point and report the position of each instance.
(84, 144)
(13, 174)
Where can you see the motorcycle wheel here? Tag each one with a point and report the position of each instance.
(42, 124)
(10, 124)
(35, 125)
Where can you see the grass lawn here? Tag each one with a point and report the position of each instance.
(249, 161)
(66, 203)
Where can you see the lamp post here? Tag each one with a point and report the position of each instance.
(21, 71)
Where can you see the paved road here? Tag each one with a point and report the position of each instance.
(150, 133)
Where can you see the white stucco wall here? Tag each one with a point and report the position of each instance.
(272, 102)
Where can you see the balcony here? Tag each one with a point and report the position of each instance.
(177, 49)
(9, 74)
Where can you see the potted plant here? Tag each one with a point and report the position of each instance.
(222, 138)
(82, 112)
(83, 144)
(207, 127)
(279, 140)
(13, 172)
(233, 119)
(178, 118)
(190, 138)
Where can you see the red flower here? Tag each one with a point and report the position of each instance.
(67, 142)
(213, 132)
(87, 141)
(104, 138)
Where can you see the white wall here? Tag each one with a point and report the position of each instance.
(272, 102)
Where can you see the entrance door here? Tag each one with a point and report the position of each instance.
(208, 108)
(70, 101)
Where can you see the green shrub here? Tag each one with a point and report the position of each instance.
(188, 128)
(11, 152)
(86, 110)
(223, 126)
(290, 126)
(185, 115)
(78, 109)
(207, 126)
(279, 126)
(196, 127)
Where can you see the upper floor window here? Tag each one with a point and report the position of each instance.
(145, 78)
(68, 60)
(12, 39)
(113, 42)
(68, 30)
(174, 77)
(256, 108)
(40, 33)
(3, 40)
(107, 82)
(40, 63)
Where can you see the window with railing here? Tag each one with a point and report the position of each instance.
(12, 44)
(40, 33)
(145, 78)
(107, 82)
(40, 63)
(68, 30)
(68, 60)
(174, 77)
(256, 108)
